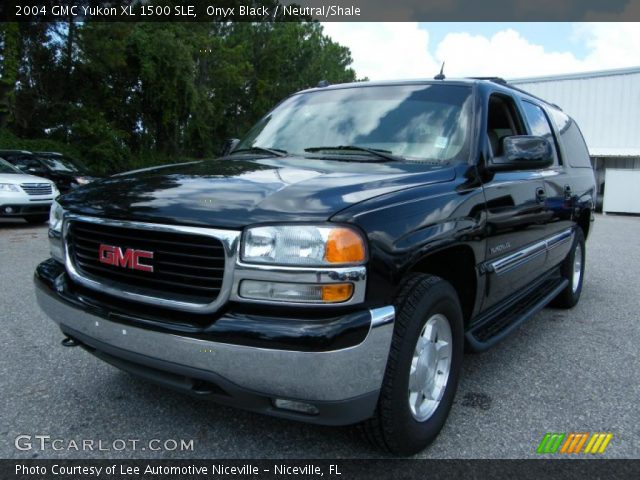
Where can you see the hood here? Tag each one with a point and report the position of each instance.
(232, 193)
(18, 178)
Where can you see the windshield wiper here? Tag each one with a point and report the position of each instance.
(384, 154)
(276, 152)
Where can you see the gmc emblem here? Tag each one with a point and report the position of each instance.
(111, 255)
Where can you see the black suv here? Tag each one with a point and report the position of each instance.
(65, 172)
(333, 265)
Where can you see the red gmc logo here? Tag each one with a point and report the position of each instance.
(111, 255)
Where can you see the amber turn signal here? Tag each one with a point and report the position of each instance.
(338, 292)
(344, 246)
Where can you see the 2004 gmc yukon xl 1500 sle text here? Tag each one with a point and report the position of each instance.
(332, 265)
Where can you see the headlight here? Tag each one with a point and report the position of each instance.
(303, 245)
(55, 217)
(82, 180)
(8, 187)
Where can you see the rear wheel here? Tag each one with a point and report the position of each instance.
(423, 367)
(37, 219)
(572, 269)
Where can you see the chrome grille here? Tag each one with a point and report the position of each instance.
(37, 188)
(187, 267)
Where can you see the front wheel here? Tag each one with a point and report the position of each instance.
(423, 367)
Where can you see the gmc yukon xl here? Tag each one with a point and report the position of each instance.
(333, 265)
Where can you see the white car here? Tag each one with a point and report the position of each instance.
(25, 196)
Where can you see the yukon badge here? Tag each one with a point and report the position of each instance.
(500, 248)
(111, 255)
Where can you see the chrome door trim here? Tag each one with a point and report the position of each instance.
(517, 258)
(228, 238)
(528, 253)
(559, 239)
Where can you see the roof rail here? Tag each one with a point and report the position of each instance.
(504, 83)
(499, 80)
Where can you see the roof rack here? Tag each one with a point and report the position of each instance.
(504, 83)
(499, 80)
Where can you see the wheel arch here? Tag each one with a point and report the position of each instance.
(457, 265)
(584, 221)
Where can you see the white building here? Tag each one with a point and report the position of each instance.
(606, 105)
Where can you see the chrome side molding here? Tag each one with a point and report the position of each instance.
(526, 254)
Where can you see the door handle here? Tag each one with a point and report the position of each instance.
(541, 195)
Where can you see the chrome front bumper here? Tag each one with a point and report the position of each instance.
(327, 376)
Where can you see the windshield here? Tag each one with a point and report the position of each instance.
(415, 122)
(62, 164)
(6, 167)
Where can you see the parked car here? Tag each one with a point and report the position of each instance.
(23, 195)
(64, 171)
(333, 264)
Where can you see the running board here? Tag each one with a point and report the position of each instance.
(495, 326)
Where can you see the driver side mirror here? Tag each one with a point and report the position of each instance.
(228, 146)
(522, 152)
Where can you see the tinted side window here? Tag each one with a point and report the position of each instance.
(24, 162)
(575, 147)
(539, 125)
(503, 120)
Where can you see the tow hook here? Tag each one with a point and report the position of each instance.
(70, 342)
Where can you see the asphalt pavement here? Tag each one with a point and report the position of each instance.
(564, 371)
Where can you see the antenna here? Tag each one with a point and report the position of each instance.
(440, 76)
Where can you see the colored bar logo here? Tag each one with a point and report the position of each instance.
(574, 443)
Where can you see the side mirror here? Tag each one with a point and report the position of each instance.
(523, 152)
(228, 146)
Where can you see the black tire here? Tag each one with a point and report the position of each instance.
(570, 296)
(393, 427)
(37, 219)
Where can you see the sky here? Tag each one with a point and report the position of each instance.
(383, 51)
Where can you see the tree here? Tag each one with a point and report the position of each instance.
(129, 93)
(10, 56)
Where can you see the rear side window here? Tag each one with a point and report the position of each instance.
(575, 147)
(539, 125)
